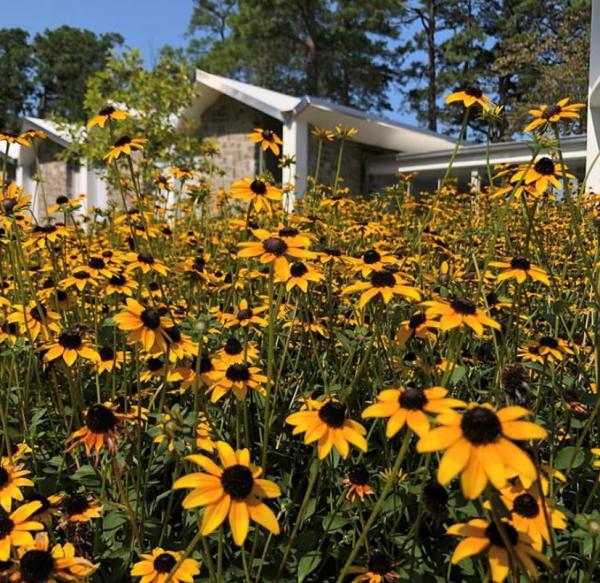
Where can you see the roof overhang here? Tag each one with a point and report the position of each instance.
(476, 156)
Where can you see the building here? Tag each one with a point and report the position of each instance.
(593, 120)
(228, 110)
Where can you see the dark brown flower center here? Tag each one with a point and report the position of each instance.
(288, 232)
(526, 505)
(8, 204)
(244, 314)
(6, 525)
(333, 414)
(298, 269)
(81, 274)
(76, 504)
(332, 252)
(70, 340)
(416, 320)
(150, 318)
(371, 256)
(233, 347)
(358, 475)
(237, 481)
(473, 91)
(154, 364)
(4, 477)
(38, 313)
(275, 246)
(62, 199)
(106, 111)
(481, 426)
(145, 257)
(520, 263)
(463, 306)
(97, 263)
(118, 279)
(174, 334)
(550, 111)
(495, 537)
(383, 278)
(100, 419)
(164, 563)
(379, 564)
(267, 135)
(36, 566)
(413, 399)
(435, 497)
(544, 166)
(238, 373)
(549, 342)
(123, 141)
(258, 187)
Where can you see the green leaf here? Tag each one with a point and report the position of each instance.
(565, 458)
(307, 564)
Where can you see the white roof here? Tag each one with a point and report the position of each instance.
(372, 129)
(52, 129)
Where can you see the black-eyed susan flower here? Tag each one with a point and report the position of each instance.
(551, 114)
(527, 513)
(235, 352)
(357, 483)
(13, 200)
(109, 359)
(77, 507)
(70, 345)
(546, 348)
(146, 263)
(267, 140)
(378, 569)
(258, 192)
(372, 260)
(204, 434)
(16, 528)
(410, 406)
(156, 566)
(12, 479)
(459, 312)
(478, 444)
(144, 325)
(596, 451)
(124, 146)
(101, 429)
(107, 113)
(326, 423)
(234, 491)
(541, 174)
(238, 378)
(417, 326)
(39, 564)
(385, 283)
(181, 173)
(34, 319)
(246, 315)
(469, 96)
(300, 275)
(50, 507)
(520, 269)
(481, 535)
(274, 247)
(80, 278)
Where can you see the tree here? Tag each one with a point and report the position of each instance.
(336, 50)
(64, 59)
(16, 63)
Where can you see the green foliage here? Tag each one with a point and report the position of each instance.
(15, 69)
(64, 59)
(155, 99)
(338, 50)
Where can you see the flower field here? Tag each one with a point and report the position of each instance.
(198, 385)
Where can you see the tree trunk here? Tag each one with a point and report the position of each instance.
(431, 69)
(312, 65)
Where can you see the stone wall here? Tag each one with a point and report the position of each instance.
(353, 163)
(228, 122)
(54, 173)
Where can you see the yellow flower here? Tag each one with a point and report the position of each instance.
(15, 530)
(267, 139)
(547, 114)
(12, 479)
(478, 445)
(459, 312)
(234, 491)
(469, 96)
(156, 566)
(106, 114)
(124, 146)
(325, 422)
(520, 269)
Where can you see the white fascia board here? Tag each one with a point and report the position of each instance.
(218, 84)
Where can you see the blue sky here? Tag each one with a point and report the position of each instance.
(145, 24)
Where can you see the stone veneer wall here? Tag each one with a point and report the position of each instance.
(228, 122)
(353, 163)
(54, 172)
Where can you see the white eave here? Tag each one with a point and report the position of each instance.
(51, 129)
(372, 129)
(474, 156)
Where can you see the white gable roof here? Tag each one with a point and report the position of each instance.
(372, 129)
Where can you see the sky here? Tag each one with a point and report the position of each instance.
(145, 24)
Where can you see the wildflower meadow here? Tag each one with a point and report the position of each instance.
(208, 384)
